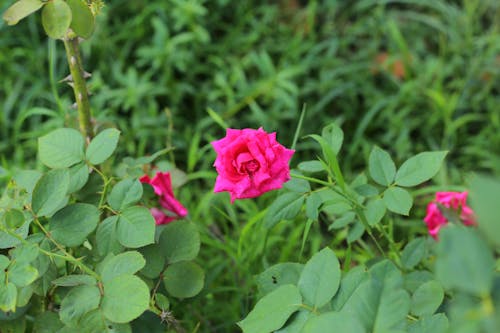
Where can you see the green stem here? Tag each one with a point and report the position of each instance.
(79, 86)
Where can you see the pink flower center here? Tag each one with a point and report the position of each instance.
(251, 167)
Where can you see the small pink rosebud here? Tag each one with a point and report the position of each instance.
(162, 185)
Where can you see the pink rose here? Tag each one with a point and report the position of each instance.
(455, 202)
(162, 185)
(250, 162)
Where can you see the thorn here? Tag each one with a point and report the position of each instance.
(74, 106)
(68, 78)
(70, 84)
(86, 75)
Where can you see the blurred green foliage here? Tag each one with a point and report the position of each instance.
(408, 76)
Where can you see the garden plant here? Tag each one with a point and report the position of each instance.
(183, 184)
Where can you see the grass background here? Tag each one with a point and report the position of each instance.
(407, 76)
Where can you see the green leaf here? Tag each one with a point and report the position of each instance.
(162, 301)
(47, 322)
(184, 279)
(79, 301)
(272, 311)
(326, 321)
(75, 280)
(334, 135)
(49, 192)
(22, 274)
(56, 18)
(375, 211)
(484, 195)
(398, 200)
(437, 323)
(415, 279)
(464, 261)
(71, 225)
(311, 166)
(125, 263)
(78, 177)
(313, 202)
(179, 241)
(8, 297)
(427, 299)
(297, 185)
(107, 237)
(296, 322)
(104, 144)
(381, 167)
(4, 262)
(135, 227)
(8, 241)
(20, 10)
(24, 295)
(122, 307)
(14, 218)
(82, 22)
(320, 278)
(285, 207)
(25, 253)
(348, 285)
(63, 147)
(414, 252)
(125, 194)
(279, 275)
(94, 322)
(379, 303)
(155, 261)
(420, 168)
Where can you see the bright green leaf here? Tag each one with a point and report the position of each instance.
(124, 263)
(56, 19)
(398, 200)
(381, 167)
(82, 22)
(14, 218)
(22, 274)
(135, 227)
(420, 168)
(311, 166)
(184, 279)
(320, 278)
(125, 194)
(8, 297)
(179, 240)
(63, 147)
(71, 225)
(50, 191)
(20, 10)
(272, 311)
(437, 323)
(126, 297)
(334, 135)
(104, 144)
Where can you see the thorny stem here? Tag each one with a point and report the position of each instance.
(79, 86)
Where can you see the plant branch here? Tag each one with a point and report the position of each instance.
(79, 86)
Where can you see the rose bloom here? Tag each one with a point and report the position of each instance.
(162, 185)
(250, 162)
(453, 201)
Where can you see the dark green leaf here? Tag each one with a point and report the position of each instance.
(398, 200)
(135, 227)
(125, 194)
(381, 167)
(278, 275)
(50, 192)
(104, 144)
(78, 177)
(375, 211)
(78, 302)
(272, 311)
(75, 280)
(184, 279)
(71, 225)
(124, 263)
(285, 207)
(155, 261)
(320, 278)
(107, 238)
(179, 241)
